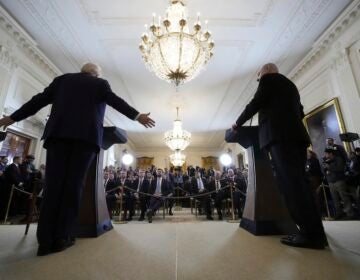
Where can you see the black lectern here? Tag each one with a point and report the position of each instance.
(94, 218)
(264, 212)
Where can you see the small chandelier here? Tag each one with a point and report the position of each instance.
(177, 139)
(172, 51)
(177, 159)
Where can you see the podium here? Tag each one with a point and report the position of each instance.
(264, 212)
(94, 218)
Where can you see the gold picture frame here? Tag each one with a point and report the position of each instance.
(323, 122)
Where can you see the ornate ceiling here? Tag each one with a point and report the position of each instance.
(247, 34)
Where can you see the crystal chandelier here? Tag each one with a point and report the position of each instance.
(173, 52)
(177, 158)
(177, 139)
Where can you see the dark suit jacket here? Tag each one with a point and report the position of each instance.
(12, 175)
(78, 106)
(211, 185)
(240, 183)
(144, 186)
(165, 189)
(194, 185)
(280, 112)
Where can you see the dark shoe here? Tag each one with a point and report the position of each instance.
(171, 213)
(149, 214)
(128, 219)
(209, 218)
(62, 244)
(141, 218)
(299, 240)
(44, 250)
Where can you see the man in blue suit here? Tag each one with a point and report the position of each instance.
(73, 136)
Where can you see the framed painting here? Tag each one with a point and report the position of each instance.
(325, 121)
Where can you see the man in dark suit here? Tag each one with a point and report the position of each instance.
(198, 186)
(73, 135)
(283, 134)
(112, 193)
(12, 176)
(142, 185)
(159, 188)
(216, 184)
(128, 194)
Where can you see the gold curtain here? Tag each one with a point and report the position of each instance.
(145, 162)
(208, 162)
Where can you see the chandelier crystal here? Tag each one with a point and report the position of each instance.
(177, 138)
(173, 52)
(177, 158)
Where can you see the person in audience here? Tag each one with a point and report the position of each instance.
(216, 184)
(199, 187)
(142, 186)
(314, 175)
(27, 170)
(283, 135)
(169, 177)
(73, 137)
(111, 192)
(160, 190)
(334, 167)
(126, 188)
(3, 164)
(240, 188)
(12, 176)
(339, 150)
(357, 152)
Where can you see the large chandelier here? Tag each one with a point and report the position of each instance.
(171, 51)
(177, 138)
(177, 158)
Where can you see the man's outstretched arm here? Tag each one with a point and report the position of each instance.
(35, 104)
(124, 108)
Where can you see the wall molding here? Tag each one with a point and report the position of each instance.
(322, 45)
(26, 43)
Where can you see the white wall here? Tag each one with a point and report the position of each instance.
(24, 71)
(332, 69)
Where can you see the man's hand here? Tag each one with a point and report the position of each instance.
(145, 120)
(5, 122)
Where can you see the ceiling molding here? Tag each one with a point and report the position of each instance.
(95, 17)
(27, 44)
(349, 16)
(306, 13)
(47, 14)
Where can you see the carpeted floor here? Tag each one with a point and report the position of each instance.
(183, 249)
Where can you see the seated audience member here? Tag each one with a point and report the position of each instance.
(239, 185)
(216, 184)
(357, 152)
(142, 186)
(27, 168)
(314, 175)
(160, 190)
(169, 177)
(112, 194)
(334, 167)
(198, 187)
(12, 177)
(128, 195)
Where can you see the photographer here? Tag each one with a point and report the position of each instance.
(334, 167)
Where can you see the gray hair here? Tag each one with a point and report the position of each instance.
(92, 69)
